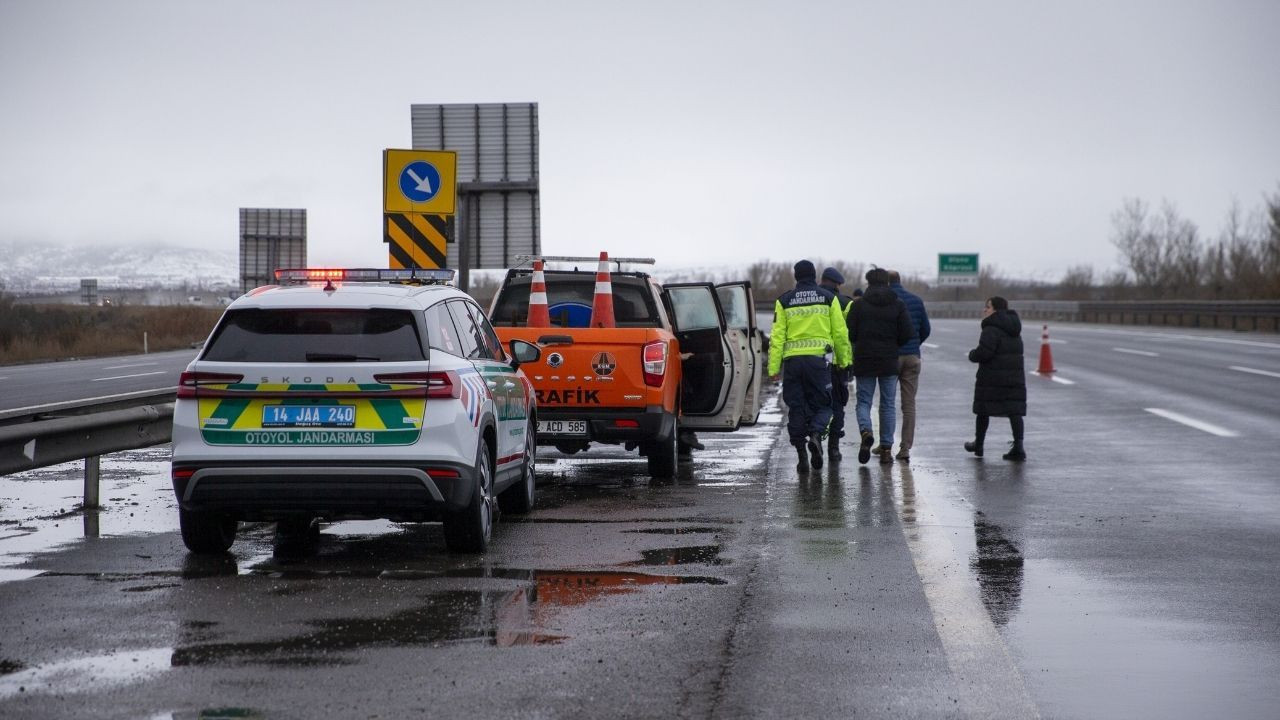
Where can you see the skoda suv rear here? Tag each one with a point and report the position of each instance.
(353, 394)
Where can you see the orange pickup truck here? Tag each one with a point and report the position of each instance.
(685, 356)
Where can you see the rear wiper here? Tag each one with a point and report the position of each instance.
(339, 357)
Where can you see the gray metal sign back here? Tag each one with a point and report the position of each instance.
(497, 146)
(270, 239)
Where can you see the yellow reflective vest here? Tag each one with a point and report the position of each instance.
(808, 320)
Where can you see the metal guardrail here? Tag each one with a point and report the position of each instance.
(64, 432)
(1255, 315)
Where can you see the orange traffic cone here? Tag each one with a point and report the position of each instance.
(1046, 355)
(602, 303)
(539, 315)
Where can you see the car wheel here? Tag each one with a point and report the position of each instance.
(469, 529)
(518, 499)
(661, 455)
(206, 533)
(297, 536)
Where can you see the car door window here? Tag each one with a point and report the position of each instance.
(733, 300)
(488, 337)
(695, 308)
(441, 332)
(472, 343)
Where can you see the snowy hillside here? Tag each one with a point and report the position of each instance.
(32, 268)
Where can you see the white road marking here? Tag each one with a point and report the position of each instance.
(1192, 422)
(1055, 378)
(1144, 353)
(1268, 373)
(931, 346)
(989, 682)
(88, 400)
(121, 367)
(122, 377)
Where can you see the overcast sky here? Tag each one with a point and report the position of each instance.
(698, 132)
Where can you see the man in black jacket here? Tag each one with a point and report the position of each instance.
(878, 325)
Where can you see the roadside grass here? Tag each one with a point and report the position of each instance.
(33, 333)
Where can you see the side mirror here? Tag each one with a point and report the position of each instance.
(523, 352)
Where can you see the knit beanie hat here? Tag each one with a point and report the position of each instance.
(806, 271)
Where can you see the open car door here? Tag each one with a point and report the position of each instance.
(738, 303)
(713, 386)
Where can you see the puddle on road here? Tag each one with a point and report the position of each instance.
(676, 531)
(491, 617)
(41, 509)
(698, 555)
(997, 565)
(86, 674)
(620, 521)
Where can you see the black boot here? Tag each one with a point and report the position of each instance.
(815, 450)
(974, 447)
(833, 449)
(864, 450)
(1015, 452)
(802, 465)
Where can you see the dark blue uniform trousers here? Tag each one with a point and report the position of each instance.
(839, 398)
(806, 389)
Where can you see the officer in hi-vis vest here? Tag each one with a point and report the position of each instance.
(809, 334)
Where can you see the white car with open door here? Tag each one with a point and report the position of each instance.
(353, 394)
(737, 301)
(720, 363)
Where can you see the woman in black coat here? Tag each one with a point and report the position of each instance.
(1001, 387)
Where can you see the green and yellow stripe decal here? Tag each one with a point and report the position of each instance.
(378, 421)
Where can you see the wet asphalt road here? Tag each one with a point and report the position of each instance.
(1129, 569)
(35, 385)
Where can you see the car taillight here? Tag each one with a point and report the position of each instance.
(182, 473)
(443, 384)
(189, 382)
(655, 363)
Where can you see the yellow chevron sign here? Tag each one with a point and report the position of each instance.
(415, 240)
(419, 181)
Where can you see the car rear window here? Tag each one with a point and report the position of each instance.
(300, 335)
(569, 299)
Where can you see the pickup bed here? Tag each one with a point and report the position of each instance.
(673, 361)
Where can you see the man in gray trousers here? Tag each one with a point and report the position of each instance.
(909, 362)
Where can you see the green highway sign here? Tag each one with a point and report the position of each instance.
(958, 269)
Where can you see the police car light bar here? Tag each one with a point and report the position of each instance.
(429, 276)
(584, 258)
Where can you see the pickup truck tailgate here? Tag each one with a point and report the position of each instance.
(593, 367)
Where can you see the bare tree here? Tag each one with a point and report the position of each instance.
(1077, 283)
(1180, 250)
(1270, 260)
(1163, 251)
(1138, 245)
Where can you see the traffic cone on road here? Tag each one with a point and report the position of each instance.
(602, 303)
(539, 315)
(1046, 355)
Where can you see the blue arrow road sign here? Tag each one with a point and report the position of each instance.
(419, 181)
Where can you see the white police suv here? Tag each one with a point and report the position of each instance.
(353, 393)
